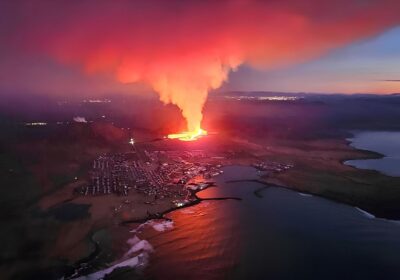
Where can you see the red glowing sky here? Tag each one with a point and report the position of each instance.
(180, 49)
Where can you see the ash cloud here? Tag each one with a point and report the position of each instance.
(183, 49)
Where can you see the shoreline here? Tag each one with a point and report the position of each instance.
(371, 155)
(196, 200)
(372, 216)
(368, 154)
(358, 178)
(74, 274)
(305, 193)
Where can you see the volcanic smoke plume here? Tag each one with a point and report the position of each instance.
(183, 49)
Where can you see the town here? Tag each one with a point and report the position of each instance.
(157, 174)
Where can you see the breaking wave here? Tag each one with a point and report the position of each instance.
(137, 257)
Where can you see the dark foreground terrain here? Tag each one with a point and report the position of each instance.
(47, 228)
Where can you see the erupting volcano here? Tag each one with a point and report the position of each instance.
(186, 82)
(184, 49)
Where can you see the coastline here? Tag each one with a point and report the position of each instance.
(367, 154)
(375, 155)
(137, 260)
(371, 211)
(321, 171)
(267, 185)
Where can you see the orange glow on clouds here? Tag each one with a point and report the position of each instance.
(184, 49)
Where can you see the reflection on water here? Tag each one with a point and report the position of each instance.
(386, 143)
(202, 245)
(281, 235)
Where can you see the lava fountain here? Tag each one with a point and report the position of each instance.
(188, 135)
(186, 82)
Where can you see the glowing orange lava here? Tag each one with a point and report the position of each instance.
(188, 135)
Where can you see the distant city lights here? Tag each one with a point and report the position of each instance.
(262, 98)
(97, 101)
(36, 123)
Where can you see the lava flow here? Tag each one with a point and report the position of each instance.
(188, 135)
